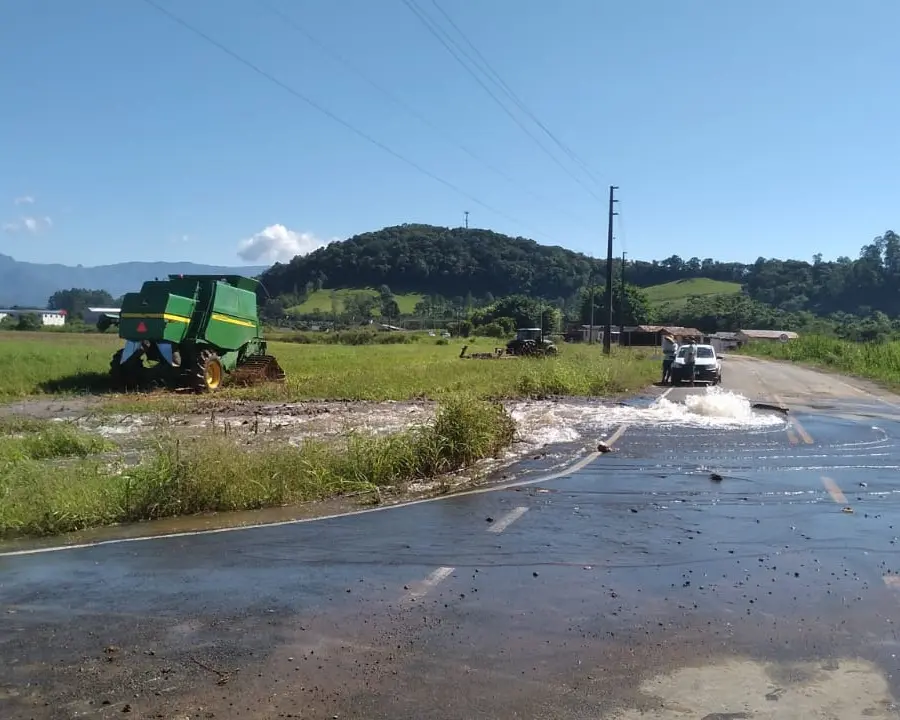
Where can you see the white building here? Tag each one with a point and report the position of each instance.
(723, 341)
(594, 333)
(52, 318)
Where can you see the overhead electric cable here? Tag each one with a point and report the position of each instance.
(458, 53)
(288, 20)
(513, 96)
(328, 113)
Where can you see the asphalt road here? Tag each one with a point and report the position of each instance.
(691, 573)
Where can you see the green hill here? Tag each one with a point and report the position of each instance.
(320, 300)
(677, 293)
(462, 262)
(457, 262)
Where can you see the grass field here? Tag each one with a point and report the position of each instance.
(54, 480)
(320, 300)
(45, 363)
(677, 293)
(877, 361)
(56, 477)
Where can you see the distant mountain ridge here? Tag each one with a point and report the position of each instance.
(31, 284)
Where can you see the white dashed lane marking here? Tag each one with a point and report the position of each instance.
(422, 588)
(507, 520)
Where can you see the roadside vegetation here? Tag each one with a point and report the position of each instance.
(212, 473)
(49, 364)
(874, 360)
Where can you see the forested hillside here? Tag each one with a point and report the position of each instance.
(457, 262)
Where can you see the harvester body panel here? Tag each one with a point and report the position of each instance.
(197, 326)
(232, 319)
(158, 312)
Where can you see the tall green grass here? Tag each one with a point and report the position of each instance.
(30, 439)
(45, 364)
(213, 473)
(878, 361)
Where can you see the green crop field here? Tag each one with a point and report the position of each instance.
(53, 363)
(680, 291)
(320, 300)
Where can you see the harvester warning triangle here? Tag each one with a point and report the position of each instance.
(141, 327)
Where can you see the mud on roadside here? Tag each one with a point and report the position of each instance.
(540, 422)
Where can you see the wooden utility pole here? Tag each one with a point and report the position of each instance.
(607, 340)
(467, 219)
(623, 302)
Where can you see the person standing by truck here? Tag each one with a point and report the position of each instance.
(690, 360)
(670, 349)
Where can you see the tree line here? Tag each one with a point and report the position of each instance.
(453, 262)
(465, 272)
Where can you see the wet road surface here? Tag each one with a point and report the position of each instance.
(694, 572)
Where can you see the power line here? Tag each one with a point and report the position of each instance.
(325, 111)
(457, 52)
(515, 98)
(288, 20)
(623, 233)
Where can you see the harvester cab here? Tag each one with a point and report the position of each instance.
(534, 334)
(193, 330)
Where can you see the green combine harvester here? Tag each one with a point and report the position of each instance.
(192, 330)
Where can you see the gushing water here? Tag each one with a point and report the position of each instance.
(728, 408)
(713, 409)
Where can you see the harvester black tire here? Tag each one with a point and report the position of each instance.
(125, 377)
(207, 375)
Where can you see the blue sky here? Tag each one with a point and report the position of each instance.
(733, 129)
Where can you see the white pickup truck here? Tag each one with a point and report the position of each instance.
(707, 366)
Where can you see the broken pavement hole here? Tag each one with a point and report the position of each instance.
(769, 406)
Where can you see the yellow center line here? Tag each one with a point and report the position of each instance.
(801, 431)
(833, 490)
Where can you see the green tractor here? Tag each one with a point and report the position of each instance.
(192, 330)
(532, 343)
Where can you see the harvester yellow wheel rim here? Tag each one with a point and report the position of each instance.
(213, 374)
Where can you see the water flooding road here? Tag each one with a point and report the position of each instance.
(702, 570)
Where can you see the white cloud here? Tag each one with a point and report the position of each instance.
(24, 200)
(277, 244)
(29, 224)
